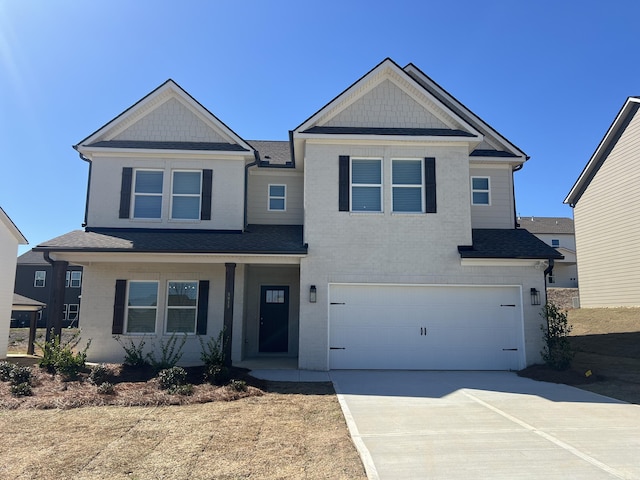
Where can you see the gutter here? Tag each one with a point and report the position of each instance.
(547, 271)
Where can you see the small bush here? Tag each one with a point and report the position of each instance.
(20, 375)
(557, 352)
(99, 374)
(212, 352)
(186, 389)
(133, 354)
(21, 390)
(171, 353)
(217, 375)
(172, 377)
(238, 385)
(5, 371)
(59, 357)
(106, 388)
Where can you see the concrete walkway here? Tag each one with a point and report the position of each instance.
(485, 425)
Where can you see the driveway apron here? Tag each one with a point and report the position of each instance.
(493, 425)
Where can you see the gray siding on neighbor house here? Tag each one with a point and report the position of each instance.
(258, 196)
(607, 225)
(500, 214)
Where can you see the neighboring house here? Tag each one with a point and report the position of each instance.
(606, 206)
(557, 232)
(34, 280)
(10, 238)
(381, 235)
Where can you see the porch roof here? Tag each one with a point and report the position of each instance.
(507, 243)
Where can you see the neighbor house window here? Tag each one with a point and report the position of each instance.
(277, 197)
(552, 279)
(555, 243)
(480, 191)
(142, 307)
(185, 195)
(147, 194)
(407, 186)
(40, 278)
(182, 306)
(366, 185)
(74, 279)
(72, 312)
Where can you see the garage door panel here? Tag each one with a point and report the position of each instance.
(425, 327)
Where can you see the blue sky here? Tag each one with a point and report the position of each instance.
(549, 75)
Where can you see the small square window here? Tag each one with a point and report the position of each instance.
(480, 191)
(555, 243)
(277, 198)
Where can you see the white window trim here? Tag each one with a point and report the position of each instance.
(134, 195)
(380, 185)
(195, 308)
(173, 195)
(488, 190)
(421, 186)
(77, 311)
(44, 279)
(127, 307)
(69, 281)
(276, 197)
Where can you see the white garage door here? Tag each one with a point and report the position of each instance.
(419, 327)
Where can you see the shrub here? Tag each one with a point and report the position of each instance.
(21, 390)
(99, 374)
(557, 352)
(172, 377)
(238, 385)
(5, 370)
(217, 374)
(133, 355)
(171, 354)
(212, 352)
(20, 375)
(59, 357)
(186, 389)
(106, 388)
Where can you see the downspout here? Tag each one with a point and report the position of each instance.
(293, 153)
(547, 271)
(256, 155)
(513, 194)
(86, 203)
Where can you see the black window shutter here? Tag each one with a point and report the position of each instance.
(430, 184)
(118, 307)
(125, 192)
(203, 307)
(207, 181)
(343, 183)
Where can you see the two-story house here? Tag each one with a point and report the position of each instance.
(381, 235)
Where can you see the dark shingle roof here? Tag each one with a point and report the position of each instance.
(492, 153)
(264, 239)
(32, 258)
(499, 243)
(217, 146)
(276, 152)
(418, 132)
(547, 224)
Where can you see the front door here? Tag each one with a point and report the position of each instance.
(274, 319)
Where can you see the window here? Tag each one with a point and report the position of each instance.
(40, 278)
(72, 312)
(185, 195)
(142, 306)
(147, 194)
(555, 243)
(74, 279)
(480, 191)
(277, 198)
(274, 296)
(182, 306)
(366, 185)
(552, 279)
(407, 178)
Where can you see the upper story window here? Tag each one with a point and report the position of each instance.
(407, 177)
(366, 185)
(74, 279)
(40, 278)
(555, 243)
(185, 195)
(277, 198)
(142, 307)
(182, 306)
(148, 194)
(480, 191)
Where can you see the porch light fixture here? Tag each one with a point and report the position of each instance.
(535, 297)
(313, 294)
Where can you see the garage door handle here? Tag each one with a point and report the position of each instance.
(509, 349)
(507, 305)
(337, 303)
(337, 348)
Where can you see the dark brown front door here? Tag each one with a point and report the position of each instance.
(274, 319)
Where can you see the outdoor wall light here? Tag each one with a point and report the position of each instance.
(535, 297)
(313, 294)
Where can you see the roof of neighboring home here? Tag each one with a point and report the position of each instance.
(32, 258)
(218, 146)
(262, 239)
(276, 152)
(547, 224)
(617, 128)
(502, 243)
(19, 300)
(15, 231)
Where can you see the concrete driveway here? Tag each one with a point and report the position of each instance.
(494, 425)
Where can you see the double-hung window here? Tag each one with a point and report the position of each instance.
(40, 278)
(148, 194)
(277, 198)
(366, 185)
(185, 195)
(73, 279)
(142, 307)
(407, 177)
(480, 191)
(182, 306)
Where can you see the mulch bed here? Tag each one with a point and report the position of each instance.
(544, 373)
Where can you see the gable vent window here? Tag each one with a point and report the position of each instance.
(555, 243)
(185, 198)
(147, 194)
(366, 185)
(407, 187)
(480, 191)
